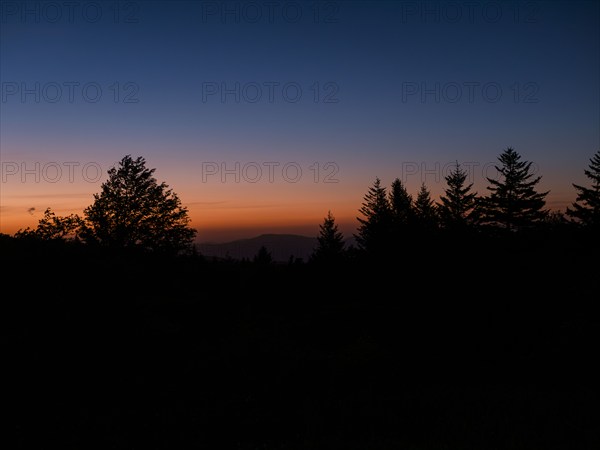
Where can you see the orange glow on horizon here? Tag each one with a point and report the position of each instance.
(227, 211)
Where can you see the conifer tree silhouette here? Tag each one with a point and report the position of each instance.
(263, 256)
(401, 203)
(425, 210)
(457, 209)
(374, 231)
(513, 203)
(330, 246)
(586, 209)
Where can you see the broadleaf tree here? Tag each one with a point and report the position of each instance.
(53, 227)
(134, 210)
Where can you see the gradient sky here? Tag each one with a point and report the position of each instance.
(371, 61)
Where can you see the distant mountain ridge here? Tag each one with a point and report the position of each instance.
(281, 246)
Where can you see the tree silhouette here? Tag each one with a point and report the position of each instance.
(514, 202)
(401, 203)
(330, 246)
(134, 210)
(53, 227)
(555, 221)
(586, 209)
(425, 211)
(375, 225)
(457, 209)
(263, 257)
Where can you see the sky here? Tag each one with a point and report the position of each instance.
(262, 116)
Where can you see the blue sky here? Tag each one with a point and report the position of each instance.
(495, 74)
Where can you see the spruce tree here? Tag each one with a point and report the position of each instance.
(330, 246)
(457, 209)
(586, 209)
(401, 203)
(514, 202)
(263, 257)
(374, 231)
(426, 217)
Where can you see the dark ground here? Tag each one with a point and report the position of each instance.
(481, 345)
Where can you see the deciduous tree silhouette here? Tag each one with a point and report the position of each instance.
(330, 246)
(133, 209)
(374, 231)
(457, 210)
(51, 227)
(514, 202)
(426, 217)
(586, 209)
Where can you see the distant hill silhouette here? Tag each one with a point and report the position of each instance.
(281, 246)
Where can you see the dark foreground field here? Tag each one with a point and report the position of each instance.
(443, 347)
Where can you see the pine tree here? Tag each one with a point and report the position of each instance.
(330, 246)
(134, 210)
(263, 257)
(374, 231)
(586, 209)
(426, 217)
(457, 210)
(401, 203)
(514, 202)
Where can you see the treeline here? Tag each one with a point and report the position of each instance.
(391, 220)
(135, 212)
